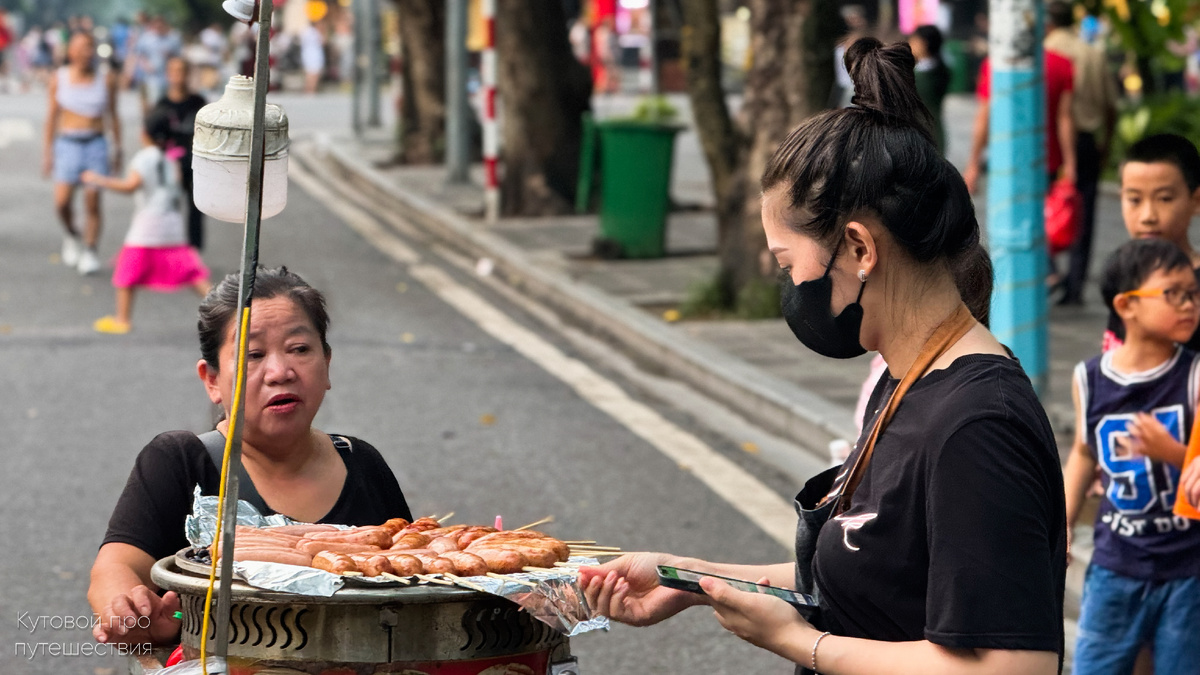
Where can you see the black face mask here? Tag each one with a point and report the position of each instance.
(807, 307)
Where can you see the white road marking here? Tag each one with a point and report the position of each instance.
(15, 130)
(735, 485)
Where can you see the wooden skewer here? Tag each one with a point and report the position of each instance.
(395, 577)
(352, 574)
(600, 554)
(443, 519)
(571, 565)
(581, 542)
(433, 517)
(463, 582)
(595, 548)
(433, 580)
(539, 569)
(515, 580)
(543, 521)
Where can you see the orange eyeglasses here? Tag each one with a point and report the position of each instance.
(1175, 297)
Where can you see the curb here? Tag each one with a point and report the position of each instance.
(784, 408)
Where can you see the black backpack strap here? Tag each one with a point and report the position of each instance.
(214, 443)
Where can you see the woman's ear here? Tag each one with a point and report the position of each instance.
(208, 376)
(862, 246)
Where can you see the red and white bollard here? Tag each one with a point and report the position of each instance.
(491, 138)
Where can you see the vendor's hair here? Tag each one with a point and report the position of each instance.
(219, 306)
(1132, 264)
(876, 157)
(1170, 149)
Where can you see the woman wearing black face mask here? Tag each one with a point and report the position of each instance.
(940, 546)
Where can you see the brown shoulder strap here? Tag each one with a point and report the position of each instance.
(947, 333)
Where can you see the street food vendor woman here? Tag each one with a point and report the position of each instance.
(295, 469)
(940, 545)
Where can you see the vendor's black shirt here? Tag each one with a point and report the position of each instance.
(956, 533)
(158, 495)
(182, 118)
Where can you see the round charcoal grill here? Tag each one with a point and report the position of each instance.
(420, 630)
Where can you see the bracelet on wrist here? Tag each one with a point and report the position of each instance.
(814, 649)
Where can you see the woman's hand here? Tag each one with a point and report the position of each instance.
(762, 620)
(91, 178)
(137, 617)
(627, 590)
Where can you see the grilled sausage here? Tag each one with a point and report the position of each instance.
(334, 562)
(395, 525)
(500, 560)
(443, 545)
(372, 565)
(312, 547)
(405, 565)
(466, 564)
(409, 540)
(372, 536)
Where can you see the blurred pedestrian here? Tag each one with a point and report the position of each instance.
(120, 32)
(155, 254)
(343, 43)
(856, 27)
(932, 75)
(82, 108)
(6, 41)
(215, 55)
(1059, 79)
(179, 107)
(312, 55)
(152, 50)
(1094, 113)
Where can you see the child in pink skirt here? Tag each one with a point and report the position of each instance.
(155, 254)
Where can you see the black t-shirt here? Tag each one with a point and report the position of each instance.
(182, 115)
(957, 531)
(158, 495)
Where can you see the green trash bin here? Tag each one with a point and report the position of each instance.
(635, 165)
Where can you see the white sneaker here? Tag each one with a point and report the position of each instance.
(70, 251)
(88, 262)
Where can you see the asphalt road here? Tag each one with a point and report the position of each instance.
(467, 422)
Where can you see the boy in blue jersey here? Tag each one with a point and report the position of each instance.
(1135, 406)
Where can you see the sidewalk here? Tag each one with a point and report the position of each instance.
(764, 354)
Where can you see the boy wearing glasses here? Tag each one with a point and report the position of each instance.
(1160, 194)
(1135, 406)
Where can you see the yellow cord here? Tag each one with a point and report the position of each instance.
(238, 390)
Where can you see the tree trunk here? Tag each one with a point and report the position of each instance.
(792, 45)
(422, 134)
(543, 93)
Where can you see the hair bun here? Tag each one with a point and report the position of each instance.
(884, 82)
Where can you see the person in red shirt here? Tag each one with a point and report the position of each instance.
(1060, 129)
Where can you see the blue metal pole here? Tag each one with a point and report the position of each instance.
(1016, 184)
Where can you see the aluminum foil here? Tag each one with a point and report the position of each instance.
(557, 601)
(200, 527)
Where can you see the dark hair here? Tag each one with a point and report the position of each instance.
(1130, 265)
(1059, 14)
(158, 126)
(219, 306)
(932, 37)
(877, 157)
(974, 277)
(1169, 148)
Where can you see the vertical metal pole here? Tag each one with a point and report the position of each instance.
(254, 197)
(491, 133)
(374, 48)
(653, 10)
(457, 135)
(1017, 183)
(360, 21)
